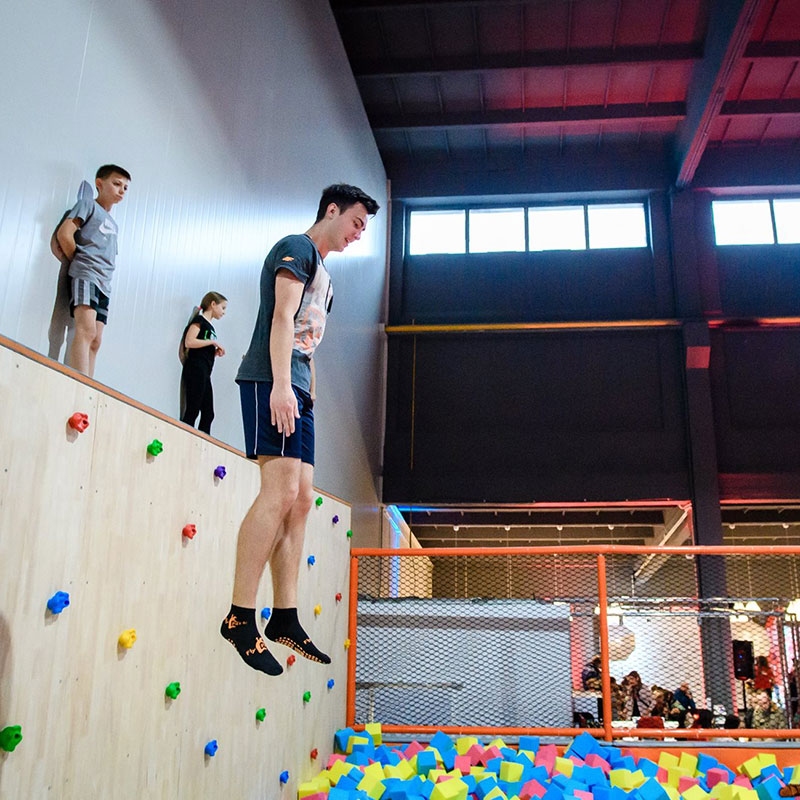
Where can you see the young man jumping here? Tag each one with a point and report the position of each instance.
(276, 382)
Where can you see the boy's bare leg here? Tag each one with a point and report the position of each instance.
(85, 333)
(95, 346)
(284, 561)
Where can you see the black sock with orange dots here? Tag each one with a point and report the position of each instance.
(240, 629)
(284, 627)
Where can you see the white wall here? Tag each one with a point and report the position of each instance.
(231, 116)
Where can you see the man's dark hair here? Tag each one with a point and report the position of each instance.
(109, 169)
(345, 196)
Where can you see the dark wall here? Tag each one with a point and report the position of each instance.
(597, 415)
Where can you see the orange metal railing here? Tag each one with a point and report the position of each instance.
(600, 552)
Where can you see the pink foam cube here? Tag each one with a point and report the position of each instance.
(400, 753)
(442, 778)
(532, 789)
(596, 760)
(546, 757)
(582, 794)
(475, 754)
(662, 776)
(716, 775)
(463, 764)
(334, 757)
(684, 782)
(412, 749)
(743, 780)
(492, 752)
(576, 761)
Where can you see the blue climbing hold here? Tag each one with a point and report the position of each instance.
(58, 602)
(211, 748)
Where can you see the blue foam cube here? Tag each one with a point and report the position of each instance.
(441, 741)
(342, 737)
(705, 762)
(426, 761)
(651, 789)
(529, 743)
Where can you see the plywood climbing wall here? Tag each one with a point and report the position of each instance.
(91, 514)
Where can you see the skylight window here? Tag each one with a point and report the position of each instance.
(787, 220)
(557, 228)
(437, 232)
(497, 230)
(618, 225)
(742, 222)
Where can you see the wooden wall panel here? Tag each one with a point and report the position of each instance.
(92, 515)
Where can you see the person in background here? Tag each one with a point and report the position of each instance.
(763, 676)
(766, 715)
(591, 679)
(639, 699)
(683, 695)
(199, 348)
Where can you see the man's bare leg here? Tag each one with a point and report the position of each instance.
(280, 480)
(284, 561)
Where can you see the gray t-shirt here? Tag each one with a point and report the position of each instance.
(95, 245)
(300, 256)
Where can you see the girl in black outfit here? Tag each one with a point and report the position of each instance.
(199, 347)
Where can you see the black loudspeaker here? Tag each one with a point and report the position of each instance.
(742, 659)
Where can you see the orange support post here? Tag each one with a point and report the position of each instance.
(352, 616)
(605, 675)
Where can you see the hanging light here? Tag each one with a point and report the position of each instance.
(751, 605)
(793, 610)
(739, 606)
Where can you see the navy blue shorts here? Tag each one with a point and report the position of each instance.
(261, 437)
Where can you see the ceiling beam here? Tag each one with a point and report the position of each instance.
(407, 5)
(789, 49)
(760, 108)
(572, 115)
(470, 64)
(730, 27)
(492, 518)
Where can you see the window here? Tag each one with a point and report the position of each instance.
(437, 232)
(502, 230)
(618, 225)
(496, 230)
(557, 228)
(787, 220)
(742, 222)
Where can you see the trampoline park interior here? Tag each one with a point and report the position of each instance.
(558, 400)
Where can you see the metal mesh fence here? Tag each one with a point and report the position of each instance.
(510, 640)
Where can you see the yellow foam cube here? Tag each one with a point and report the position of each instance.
(463, 744)
(694, 793)
(564, 766)
(375, 770)
(748, 794)
(667, 760)
(369, 784)
(496, 794)
(403, 770)
(767, 759)
(795, 776)
(499, 743)
(353, 740)
(314, 786)
(374, 730)
(673, 793)
(450, 790)
(637, 779)
(752, 767)
(688, 761)
(435, 774)
(620, 778)
(721, 791)
(477, 771)
(674, 775)
(511, 771)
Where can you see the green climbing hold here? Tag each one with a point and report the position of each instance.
(261, 714)
(155, 447)
(318, 502)
(306, 697)
(173, 689)
(10, 737)
(349, 534)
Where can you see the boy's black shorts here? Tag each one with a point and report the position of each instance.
(86, 293)
(261, 437)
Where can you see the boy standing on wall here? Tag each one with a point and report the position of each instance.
(88, 238)
(276, 382)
